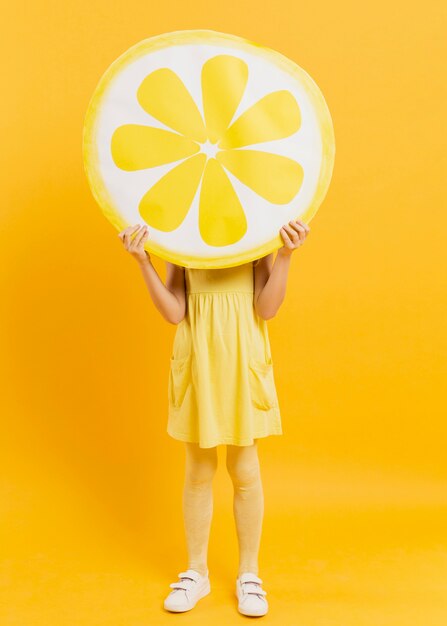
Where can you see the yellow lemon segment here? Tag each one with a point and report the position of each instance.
(274, 177)
(222, 218)
(163, 95)
(224, 79)
(136, 147)
(167, 203)
(275, 116)
(214, 142)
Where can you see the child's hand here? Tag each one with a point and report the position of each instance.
(135, 245)
(294, 235)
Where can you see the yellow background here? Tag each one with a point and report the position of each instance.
(355, 488)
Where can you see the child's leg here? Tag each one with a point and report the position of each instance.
(201, 465)
(248, 503)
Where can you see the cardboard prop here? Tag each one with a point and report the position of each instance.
(211, 140)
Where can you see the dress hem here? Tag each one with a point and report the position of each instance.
(225, 440)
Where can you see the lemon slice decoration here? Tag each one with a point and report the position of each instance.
(211, 140)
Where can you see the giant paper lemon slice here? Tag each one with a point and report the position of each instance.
(211, 140)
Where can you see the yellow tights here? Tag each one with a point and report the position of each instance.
(248, 502)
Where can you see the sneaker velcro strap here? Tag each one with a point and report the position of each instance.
(250, 587)
(190, 574)
(182, 584)
(248, 577)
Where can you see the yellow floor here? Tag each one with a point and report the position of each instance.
(338, 547)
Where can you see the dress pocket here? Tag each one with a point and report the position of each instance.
(179, 379)
(262, 384)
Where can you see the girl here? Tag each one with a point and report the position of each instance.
(221, 390)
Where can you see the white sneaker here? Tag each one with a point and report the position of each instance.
(250, 595)
(187, 591)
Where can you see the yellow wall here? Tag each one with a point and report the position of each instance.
(355, 489)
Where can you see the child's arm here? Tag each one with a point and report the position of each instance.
(169, 299)
(271, 278)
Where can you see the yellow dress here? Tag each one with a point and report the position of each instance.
(221, 386)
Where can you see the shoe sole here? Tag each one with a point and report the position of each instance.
(205, 591)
